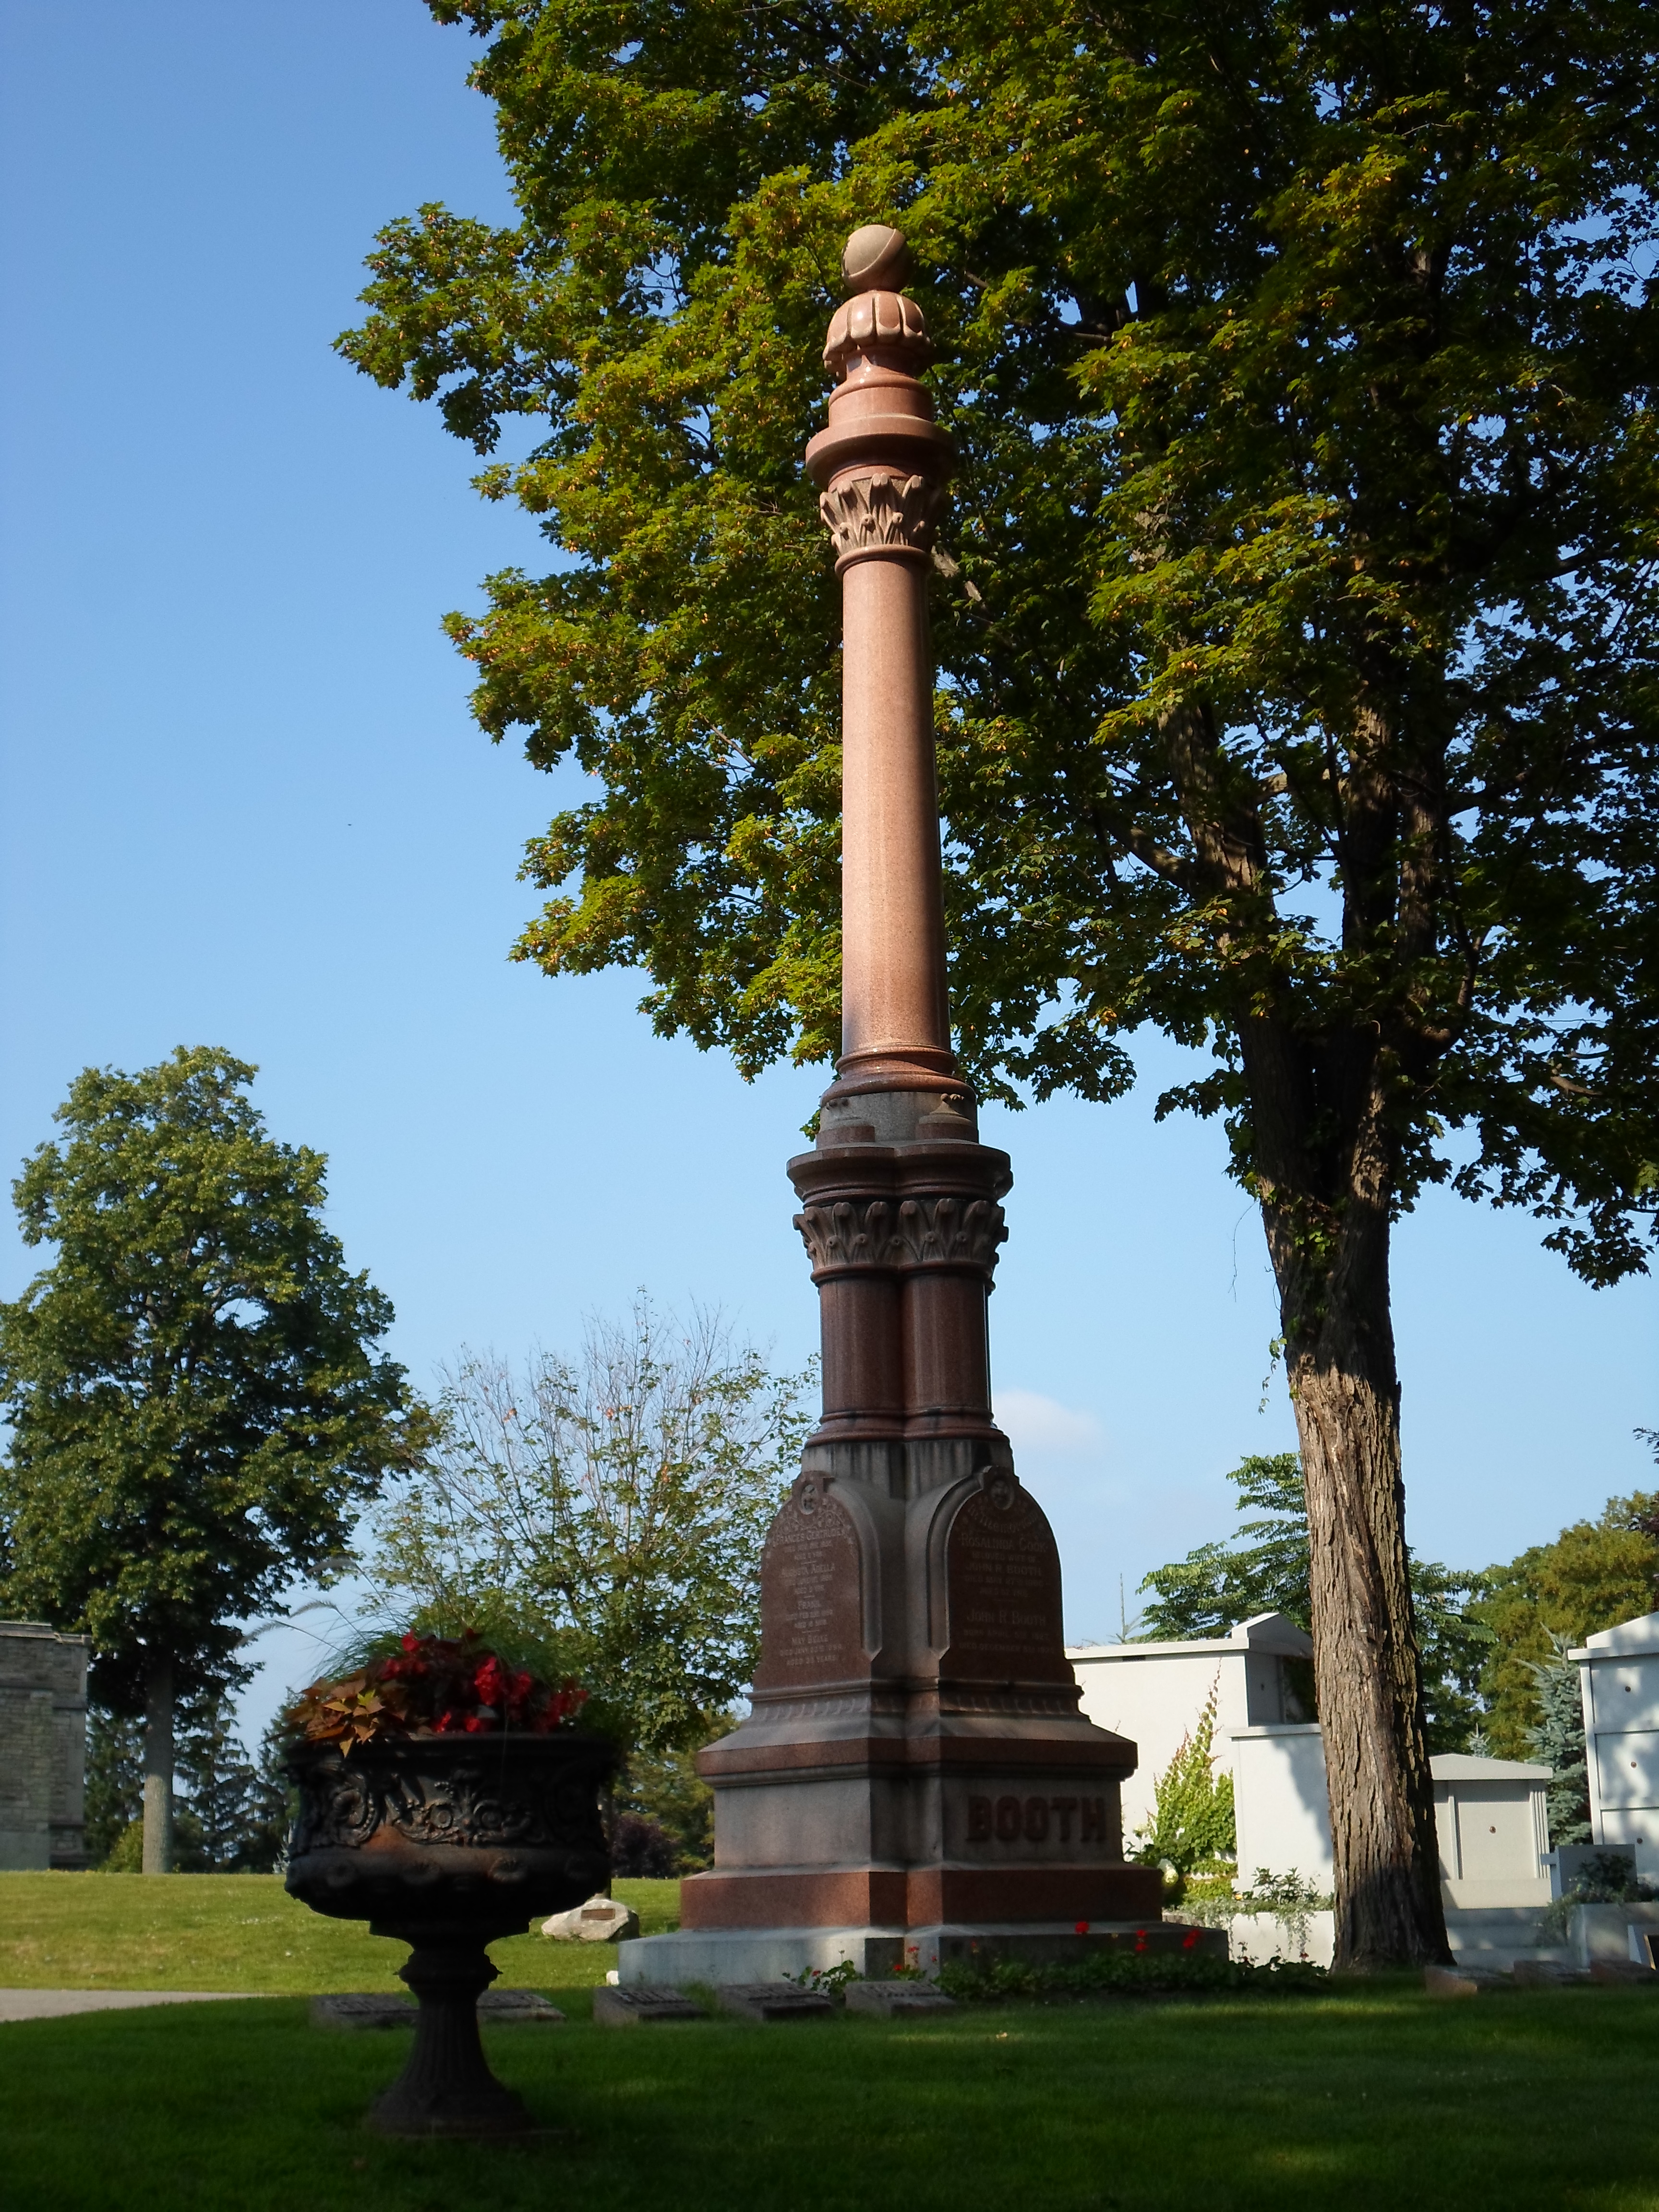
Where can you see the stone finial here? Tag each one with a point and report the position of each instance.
(878, 322)
(875, 258)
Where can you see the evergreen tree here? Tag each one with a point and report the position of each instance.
(1266, 1567)
(115, 1778)
(1558, 1742)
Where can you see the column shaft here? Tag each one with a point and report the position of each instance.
(892, 919)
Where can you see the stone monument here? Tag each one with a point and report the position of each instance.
(42, 1747)
(915, 1776)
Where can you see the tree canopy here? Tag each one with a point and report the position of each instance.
(198, 1410)
(606, 1515)
(1595, 1574)
(1297, 625)
(1265, 1569)
(1298, 642)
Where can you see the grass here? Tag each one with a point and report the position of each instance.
(1367, 2097)
(243, 1931)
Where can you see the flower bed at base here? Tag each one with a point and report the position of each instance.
(1128, 1974)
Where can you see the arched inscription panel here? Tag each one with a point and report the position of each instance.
(1002, 1590)
(812, 1605)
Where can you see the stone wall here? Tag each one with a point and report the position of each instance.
(42, 1747)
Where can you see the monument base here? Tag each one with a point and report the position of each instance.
(711, 1957)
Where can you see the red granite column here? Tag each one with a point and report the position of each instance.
(915, 1755)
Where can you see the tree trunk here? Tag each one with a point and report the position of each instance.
(158, 1764)
(1340, 1360)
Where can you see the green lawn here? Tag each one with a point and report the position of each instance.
(1376, 2098)
(1367, 2098)
(243, 1931)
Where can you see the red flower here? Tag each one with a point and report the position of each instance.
(1082, 1928)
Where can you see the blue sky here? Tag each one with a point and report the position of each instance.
(243, 805)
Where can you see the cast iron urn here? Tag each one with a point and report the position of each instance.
(446, 1842)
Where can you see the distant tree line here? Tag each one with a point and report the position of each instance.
(200, 1420)
(1492, 1641)
(231, 1815)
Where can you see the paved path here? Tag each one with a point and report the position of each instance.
(53, 2004)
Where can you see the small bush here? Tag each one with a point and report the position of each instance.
(642, 1851)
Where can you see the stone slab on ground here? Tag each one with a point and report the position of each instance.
(1627, 1971)
(773, 2001)
(896, 1999)
(374, 2009)
(363, 2009)
(642, 2008)
(601, 1920)
(1442, 1982)
(58, 2005)
(500, 2007)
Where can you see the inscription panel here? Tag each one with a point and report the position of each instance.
(1002, 1583)
(811, 1606)
(1071, 1821)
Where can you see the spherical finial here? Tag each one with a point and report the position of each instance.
(875, 258)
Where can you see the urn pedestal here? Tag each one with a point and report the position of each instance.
(445, 1843)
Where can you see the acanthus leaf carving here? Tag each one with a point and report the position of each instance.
(942, 1230)
(921, 1232)
(882, 512)
(848, 1236)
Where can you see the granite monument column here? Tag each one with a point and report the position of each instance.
(915, 1773)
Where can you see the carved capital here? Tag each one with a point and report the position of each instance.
(882, 513)
(920, 1232)
(942, 1231)
(848, 1236)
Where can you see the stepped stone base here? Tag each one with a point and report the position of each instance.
(712, 1957)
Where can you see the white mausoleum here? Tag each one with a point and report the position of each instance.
(1490, 1812)
(1618, 1681)
(1155, 1694)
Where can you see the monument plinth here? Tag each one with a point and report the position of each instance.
(915, 1774)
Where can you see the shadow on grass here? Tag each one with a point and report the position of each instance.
(1366, 2098)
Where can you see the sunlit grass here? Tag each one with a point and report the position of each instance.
(243, 1931)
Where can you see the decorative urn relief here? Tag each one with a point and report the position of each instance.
(445, 1843)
